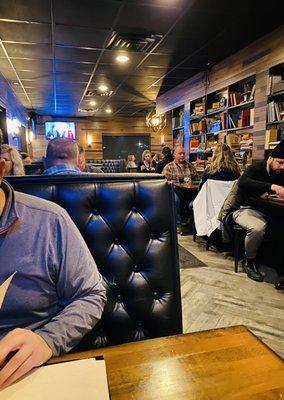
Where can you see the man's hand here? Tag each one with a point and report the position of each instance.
(31, 351)
(279, 190)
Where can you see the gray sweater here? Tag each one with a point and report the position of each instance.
(56, 290)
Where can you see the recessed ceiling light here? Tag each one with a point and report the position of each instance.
(93, 103)
(122, 59)
(103, 87)
(108, 110)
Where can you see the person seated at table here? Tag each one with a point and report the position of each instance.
(51, 293)
(131, 161)
(62, 157)
(180, 171)
(223, 166)
(84, 166)
(259, 179)
(167, 158)
(13, 160)
(146, 164)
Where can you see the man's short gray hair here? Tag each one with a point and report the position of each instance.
(62, 149)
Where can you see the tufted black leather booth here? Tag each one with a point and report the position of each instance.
(128, 222)
(109, 166)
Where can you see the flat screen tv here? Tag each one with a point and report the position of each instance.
(60, 129)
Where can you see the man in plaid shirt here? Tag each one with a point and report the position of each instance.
(179, 171)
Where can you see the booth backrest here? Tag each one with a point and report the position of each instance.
(109, 165)
(128, 223)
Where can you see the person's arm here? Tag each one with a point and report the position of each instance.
(141, 167)
(79, 288)
(166, 172)
(193, 172)
(254, 187)
(81, 296)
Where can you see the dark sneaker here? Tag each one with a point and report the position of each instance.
(252, 271)
(280, 284)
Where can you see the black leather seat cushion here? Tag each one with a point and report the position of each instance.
(128, 223)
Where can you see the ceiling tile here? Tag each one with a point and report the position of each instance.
(72, 54)
(86, 12)
(80, 36)
(34, 33)
(42, 51)
(25, 10)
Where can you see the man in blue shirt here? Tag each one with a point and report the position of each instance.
(62, 157)
(51, 293)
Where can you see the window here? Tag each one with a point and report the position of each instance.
(118, 147)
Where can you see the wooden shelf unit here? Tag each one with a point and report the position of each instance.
(231, 109)
(275, 107)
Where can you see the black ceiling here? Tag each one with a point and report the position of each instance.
(54, 52)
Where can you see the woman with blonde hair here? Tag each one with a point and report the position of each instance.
(223, 166)
(13, 160)
(146, 164)
(131, 161)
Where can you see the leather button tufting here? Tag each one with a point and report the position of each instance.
(116, 241)
(134, 209)
(153, 235)
(119, 298)
(155, 295)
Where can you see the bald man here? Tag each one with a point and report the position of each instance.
(176, 171)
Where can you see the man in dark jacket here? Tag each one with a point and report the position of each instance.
(167, 158)
(258, 181)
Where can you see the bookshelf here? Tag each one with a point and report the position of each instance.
(275, 107)
(226, 115)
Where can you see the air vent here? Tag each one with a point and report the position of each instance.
(91, 93)
(87, 110)
(141, 42)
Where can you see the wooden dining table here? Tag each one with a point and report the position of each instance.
(222, 364)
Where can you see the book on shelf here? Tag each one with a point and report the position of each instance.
(245, 118)
(240, 119)
(233, 140)
(275, 111)
(278, 87)
(272, 80)
(230, 122)
(199, 109)
(198, 127)
(251, 116)
(235, 98)
(252, 93)
(177, 122)
(271, 135)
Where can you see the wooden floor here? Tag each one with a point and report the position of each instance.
(215, 296)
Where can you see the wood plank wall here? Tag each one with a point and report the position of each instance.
(256, 58)
(90, 132)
